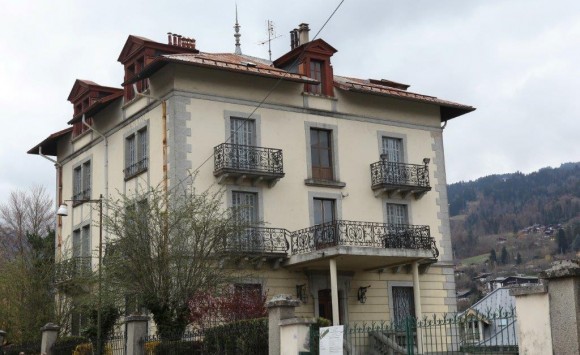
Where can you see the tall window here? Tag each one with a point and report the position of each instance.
(403, 304)
(392, 150)
(321, 153)
(317, 74)
(136, 149)
(82, 181)
(243, 134)
(397, 214)
(324, 210)
(246, 205)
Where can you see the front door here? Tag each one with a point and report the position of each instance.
(325, 305)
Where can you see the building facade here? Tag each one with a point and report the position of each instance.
(347, 175)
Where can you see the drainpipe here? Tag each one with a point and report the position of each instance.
(58, 199)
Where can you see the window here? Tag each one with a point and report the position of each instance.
(79, 321)
(325, 234)
(82, 182)
(136, 151)
(392, 150)
(403, 304)
(397, 214)
(242, 131)
(324, 210)
(316, 72)
(246, 206)
(81, 245)
(321, 154)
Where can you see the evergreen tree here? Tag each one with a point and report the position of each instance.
(518, 259)
(504, 256)
(562, 242)
(493, 257)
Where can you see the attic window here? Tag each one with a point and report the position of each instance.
(249, 64)
(316, 73)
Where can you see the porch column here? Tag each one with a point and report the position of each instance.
(417, 298)
(334, 292)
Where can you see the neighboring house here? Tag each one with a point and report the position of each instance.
(348, 174)
(502, 281)
(490, 323)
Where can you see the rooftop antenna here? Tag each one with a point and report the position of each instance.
(237, 35)
(271, 36)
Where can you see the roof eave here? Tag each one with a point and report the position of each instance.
(97, 107)
(159, 62)
(48, 145)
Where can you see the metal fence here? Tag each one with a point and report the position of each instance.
(492, 332)
(113, 345)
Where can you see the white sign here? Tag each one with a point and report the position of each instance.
(331, 339)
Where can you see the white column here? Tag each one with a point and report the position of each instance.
(334, 292)
(418, 311)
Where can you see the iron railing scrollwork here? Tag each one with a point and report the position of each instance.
(362, 234)
(136, 168)
(72, 268)
(400, 174)
(258, 240)
(248, 159)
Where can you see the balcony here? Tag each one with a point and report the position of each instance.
(259, 241)
(240, 162)
(405, 179)
(362, 245)
(136, 169)
(67, 270)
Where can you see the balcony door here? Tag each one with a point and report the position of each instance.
(245, 205)
(392, 156)
(325, 234)
(243, 135)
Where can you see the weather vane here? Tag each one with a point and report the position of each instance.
(271, 36)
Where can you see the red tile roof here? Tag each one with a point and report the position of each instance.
(449, 109)
(97, 106)
(224, 61)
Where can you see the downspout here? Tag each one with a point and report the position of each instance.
(444, 125)
(58, 168)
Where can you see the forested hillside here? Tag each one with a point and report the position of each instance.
(506, 204)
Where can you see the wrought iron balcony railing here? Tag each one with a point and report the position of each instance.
(80, 196)
(259, 240)
(135, 169)
(230, 158)
(72, 268)
(363, 234)
(385, 174)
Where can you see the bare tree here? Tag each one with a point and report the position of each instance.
(168, 248)
(26, 263)
(25, 212)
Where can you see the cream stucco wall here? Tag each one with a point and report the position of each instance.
(534, 333)
(199, 101)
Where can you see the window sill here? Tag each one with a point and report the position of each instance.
(325, 183)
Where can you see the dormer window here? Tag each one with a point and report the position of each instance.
(316, 73)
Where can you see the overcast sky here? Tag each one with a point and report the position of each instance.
(517, 62)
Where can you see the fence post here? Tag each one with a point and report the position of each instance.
(136, 332)
(279, 307)
(49, 336)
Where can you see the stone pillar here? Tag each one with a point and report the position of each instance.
(564, 298)
(49, 336)
(533, 319)
(280, 307)
(136, 331)
(295, 335)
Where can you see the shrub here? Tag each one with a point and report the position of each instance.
(242, 337)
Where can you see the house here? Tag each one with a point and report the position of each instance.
(348, 174)
(504, 281)
(490, 323)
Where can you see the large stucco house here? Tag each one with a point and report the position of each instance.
(347, 174)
